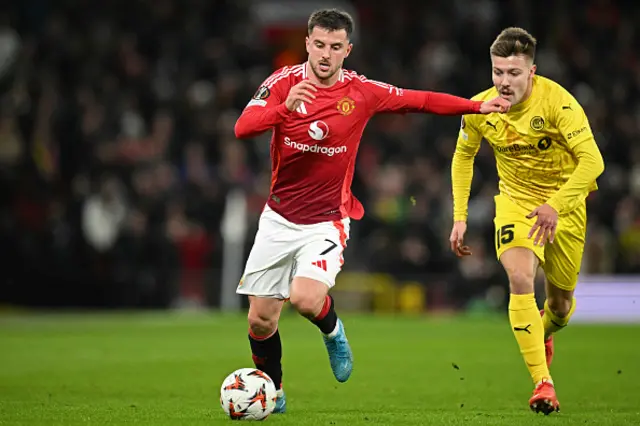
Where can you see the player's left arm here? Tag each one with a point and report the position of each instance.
(388, 98)
(572, 122)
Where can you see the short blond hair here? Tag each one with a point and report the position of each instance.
(514, 41)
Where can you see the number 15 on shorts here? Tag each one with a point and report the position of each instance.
(504, 235)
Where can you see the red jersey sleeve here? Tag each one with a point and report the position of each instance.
(266, 108)
(387, 98)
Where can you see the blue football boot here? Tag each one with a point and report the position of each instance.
(281, 402)
(340, 355)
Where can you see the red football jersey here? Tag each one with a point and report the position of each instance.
(314, 148)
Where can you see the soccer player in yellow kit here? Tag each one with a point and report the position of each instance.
(547, 162)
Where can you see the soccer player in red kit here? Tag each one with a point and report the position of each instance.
(317, 112)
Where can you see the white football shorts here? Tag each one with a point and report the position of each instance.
(283, 250)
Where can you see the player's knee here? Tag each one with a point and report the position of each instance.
(261, 324)
(560, 306)
(307, 305)
(521, 282)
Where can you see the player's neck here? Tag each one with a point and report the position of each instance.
(327, 82)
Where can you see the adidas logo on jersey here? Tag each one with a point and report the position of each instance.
(301, 108)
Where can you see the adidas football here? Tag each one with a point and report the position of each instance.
(248, 394)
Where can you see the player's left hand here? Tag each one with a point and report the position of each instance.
(498, 104)
(545, 224)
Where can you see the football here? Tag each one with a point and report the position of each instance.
(248, 394)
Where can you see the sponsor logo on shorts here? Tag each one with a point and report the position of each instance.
(322, 264)
(316, 149)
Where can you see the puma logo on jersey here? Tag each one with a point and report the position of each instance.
(492, 125)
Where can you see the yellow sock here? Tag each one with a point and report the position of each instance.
(553, 323)
(527, 327)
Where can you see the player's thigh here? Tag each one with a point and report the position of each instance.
(512, 228)
(564, 256)
(273, 245)
(269, 283)
(269, 268)
(321, 254)
(514, 249)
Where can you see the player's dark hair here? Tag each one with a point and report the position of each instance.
(514, 41)
(332, 20)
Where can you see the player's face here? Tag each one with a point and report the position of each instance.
(513, 77)
(327, 51)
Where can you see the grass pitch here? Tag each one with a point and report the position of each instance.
(166, 369)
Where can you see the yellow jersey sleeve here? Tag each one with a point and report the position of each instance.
(467, 146)
(572, 123)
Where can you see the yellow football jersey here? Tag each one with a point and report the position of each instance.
(536, 146)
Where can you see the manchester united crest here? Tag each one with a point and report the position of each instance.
(346, 105)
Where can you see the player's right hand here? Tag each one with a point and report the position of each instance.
(498, 104)
(301, 92)
(457, 239)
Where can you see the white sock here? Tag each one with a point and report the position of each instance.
(545, 380)
(334, 333)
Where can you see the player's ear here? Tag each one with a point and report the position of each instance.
(306, 43)
(349, 47)
(533, 69)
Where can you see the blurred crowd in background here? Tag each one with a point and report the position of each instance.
(117, 147)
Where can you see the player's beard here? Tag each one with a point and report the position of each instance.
(324, 75)
(511, 95)
(515, 93)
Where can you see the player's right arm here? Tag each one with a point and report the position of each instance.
(272, 103)
(388, 98)
(467, 146)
